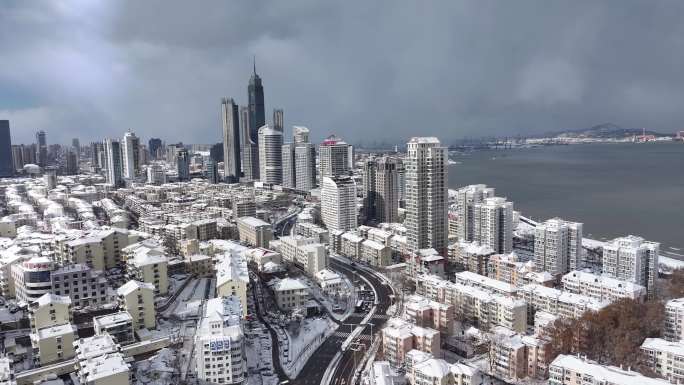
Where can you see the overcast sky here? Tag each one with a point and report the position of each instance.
(365, 70)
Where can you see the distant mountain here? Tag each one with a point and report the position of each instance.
(604, 131)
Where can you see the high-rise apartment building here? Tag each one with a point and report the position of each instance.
(270, 155)
(289, 173)
(558, 246)
(334, 157)
(305, 166)
(41, 149)
(114, 163)
(6, 164)
(76, 145)
(426, 194)
(338, 203)
(381, 189)
(466, 199)
(130, 150)
(493, 224)
(231, 140)
(632, 259)
(183, 164)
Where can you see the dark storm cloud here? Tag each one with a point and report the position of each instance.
(364, 70)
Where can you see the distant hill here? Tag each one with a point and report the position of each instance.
(603, 131)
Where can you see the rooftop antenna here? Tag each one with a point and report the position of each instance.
(254, 58)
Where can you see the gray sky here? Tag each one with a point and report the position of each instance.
(365, 70)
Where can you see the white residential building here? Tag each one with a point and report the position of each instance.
(100, 361)
(558, 246)
(466, 199)
(674, 320)
(338, 203)
(632, 259)
(666, 358)
(493, 224)
(557, 302)
(220, 343)
(601, 287)
(426, 194)
(289, 293)
(232, 276)
(572, 370)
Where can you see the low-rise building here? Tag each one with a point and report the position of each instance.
(674, 320)
(100, 361)
(118, 325)
(400, 336)
(601, 287)
(137, 298)
(491, 285)
(232, 277)
(289, 293)
(430, 314)
(470, 256)
(53, 344)
(666, 358)
(219, 342)
(507, 358)
(557, 302)
(254, 232)
(199, 265)
(85, 286)
(149, 268)
(329, 281)
(32, 278)
(375, 254)
(572, 370)
(49, 310)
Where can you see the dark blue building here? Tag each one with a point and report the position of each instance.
(6, 166)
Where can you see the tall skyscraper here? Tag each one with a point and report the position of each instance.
(466, 199)
(558, 246)
(71, 162)
(632, 259)
(278, 121)
(131, 155)
(212, 171)
(250, 151)
(338, 203)
(305, 166)
(231, 140)
(96, 156)
(270, 155)
(6, 164)
(381, 189)
(334, 157)
(114, 163)
(257, 113)
(426, 194)
(17, 156)
(183, 164)
(42, 148)
(494, 224)
(300, 134)
(155, 145)
(289, 171)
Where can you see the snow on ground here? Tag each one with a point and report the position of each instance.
(158, 369)
(296, 350)
(258, 351)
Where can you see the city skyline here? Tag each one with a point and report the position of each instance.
(494, 72)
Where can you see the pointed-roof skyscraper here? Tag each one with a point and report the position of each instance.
(257, 113)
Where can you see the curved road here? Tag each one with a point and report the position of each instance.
(315, 368)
